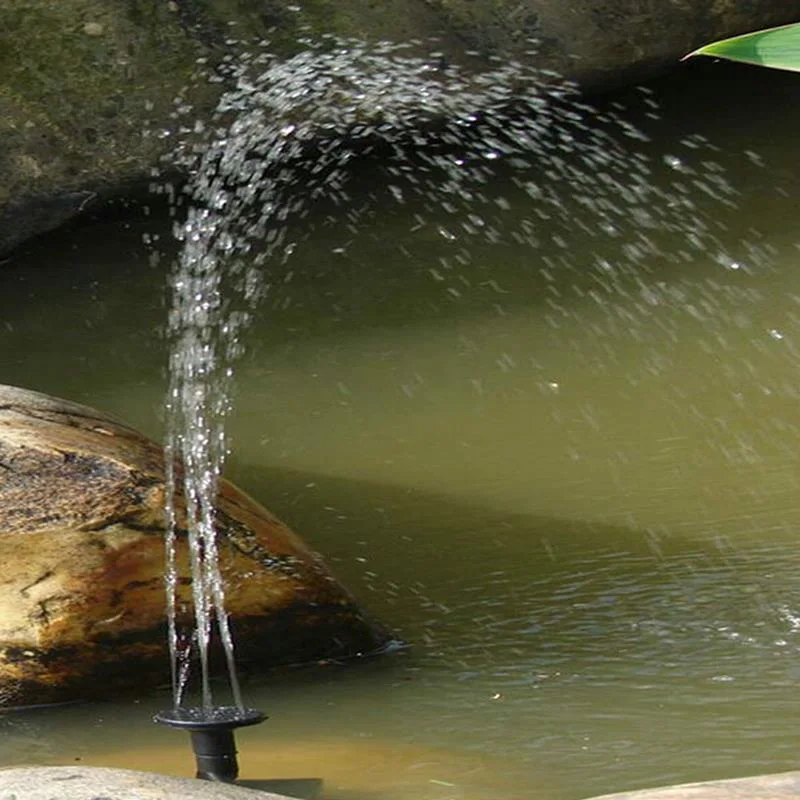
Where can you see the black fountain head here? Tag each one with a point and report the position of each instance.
(211, 730)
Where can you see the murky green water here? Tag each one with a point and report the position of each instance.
(574, 490)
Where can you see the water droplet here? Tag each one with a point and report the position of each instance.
(674, 162)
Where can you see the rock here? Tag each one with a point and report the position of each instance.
(88, 89)
(779, 786)
(81, 543)
(601, 43)
(101, 783)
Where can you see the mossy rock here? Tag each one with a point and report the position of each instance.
(88, 88)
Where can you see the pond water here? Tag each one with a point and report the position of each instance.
(573, 489)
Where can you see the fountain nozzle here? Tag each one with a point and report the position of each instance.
(211, 730)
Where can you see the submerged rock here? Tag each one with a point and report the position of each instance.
(87, 89)
(82, 602)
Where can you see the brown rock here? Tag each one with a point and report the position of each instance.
(81, 542)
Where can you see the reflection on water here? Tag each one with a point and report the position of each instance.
(573, 488)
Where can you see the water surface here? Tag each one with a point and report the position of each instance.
(569, 479)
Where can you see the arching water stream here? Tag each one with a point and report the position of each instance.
(284, 138)
(575, 492)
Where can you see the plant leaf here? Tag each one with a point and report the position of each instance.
(778, 48)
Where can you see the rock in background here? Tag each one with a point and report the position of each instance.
(82, 603)
(88, 87)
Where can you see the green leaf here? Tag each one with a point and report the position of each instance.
(778, 48)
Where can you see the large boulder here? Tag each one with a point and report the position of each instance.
(87, 87)
(82, 600)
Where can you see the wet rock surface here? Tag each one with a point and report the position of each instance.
(82, 602)
(88, 88)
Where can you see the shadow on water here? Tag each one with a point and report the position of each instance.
(572, 577)
(594, 651)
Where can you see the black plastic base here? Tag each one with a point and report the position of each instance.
(211, 730)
